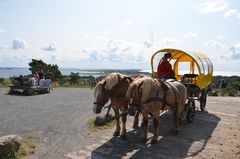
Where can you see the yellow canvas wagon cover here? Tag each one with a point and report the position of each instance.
(186, 62)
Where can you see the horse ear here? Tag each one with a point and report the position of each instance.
(104, 83)
(140, 85)
(128, 78)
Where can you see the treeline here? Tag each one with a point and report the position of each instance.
(52, 71)
(231, 83)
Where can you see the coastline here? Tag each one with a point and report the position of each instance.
(7, 72)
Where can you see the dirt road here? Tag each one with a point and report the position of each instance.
(58, 123)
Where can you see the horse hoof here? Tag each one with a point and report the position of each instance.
(154, 141)
(116, 133)
(123, 137)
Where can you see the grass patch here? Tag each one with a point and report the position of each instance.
(93, 124)
(27, 147)
(5, 82)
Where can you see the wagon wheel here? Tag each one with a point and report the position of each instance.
(48, 90)
(191, 111)
(203, 100)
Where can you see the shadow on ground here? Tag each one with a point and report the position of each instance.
(189, 142)
(22, 93)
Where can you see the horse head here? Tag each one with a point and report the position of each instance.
(134, 94)
(100, 96)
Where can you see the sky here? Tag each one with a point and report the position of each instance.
(123, 34)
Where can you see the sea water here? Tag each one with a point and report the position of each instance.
(15, 71)
(10, 72)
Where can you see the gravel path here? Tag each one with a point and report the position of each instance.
(58, 123)
(56, 120)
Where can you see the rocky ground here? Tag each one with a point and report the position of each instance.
(57, 121)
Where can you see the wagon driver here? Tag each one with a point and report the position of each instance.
(164, 69)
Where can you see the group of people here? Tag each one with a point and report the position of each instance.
(38, 75)
(36, 79)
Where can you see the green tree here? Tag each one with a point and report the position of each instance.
(49, 70)
(74, 78)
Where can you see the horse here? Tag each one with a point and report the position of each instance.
(135, 104)
(113, 87)
(153, 96)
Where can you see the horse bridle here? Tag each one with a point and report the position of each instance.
(100, 104)
(107, 92)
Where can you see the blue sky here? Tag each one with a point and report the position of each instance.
(117, 34)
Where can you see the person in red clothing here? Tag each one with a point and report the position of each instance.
(36, 75)
(164, 69)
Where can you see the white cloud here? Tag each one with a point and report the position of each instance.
(210, 6)
(232, 13)
(170, 41)
(190, 36)
(50, 47)
(19, 43)
(118, 51)
(148, 44)
(107, 32)
(4, 47)
(216, 44)
(87, 36)
(2, 31)
(128, 22)
(235, 51)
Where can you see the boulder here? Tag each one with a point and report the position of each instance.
(9, 144)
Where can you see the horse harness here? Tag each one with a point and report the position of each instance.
(163, 100)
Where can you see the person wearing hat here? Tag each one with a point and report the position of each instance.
(164, 69)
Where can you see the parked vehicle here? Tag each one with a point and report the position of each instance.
(29, 85)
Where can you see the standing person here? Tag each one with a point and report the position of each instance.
(238, 90)
(36, 76)
(164, 69)
(222, 87)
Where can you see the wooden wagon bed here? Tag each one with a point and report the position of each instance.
(29, 90)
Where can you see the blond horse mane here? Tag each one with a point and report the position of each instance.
(138, 80)
(112, 80)
(149, 85)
